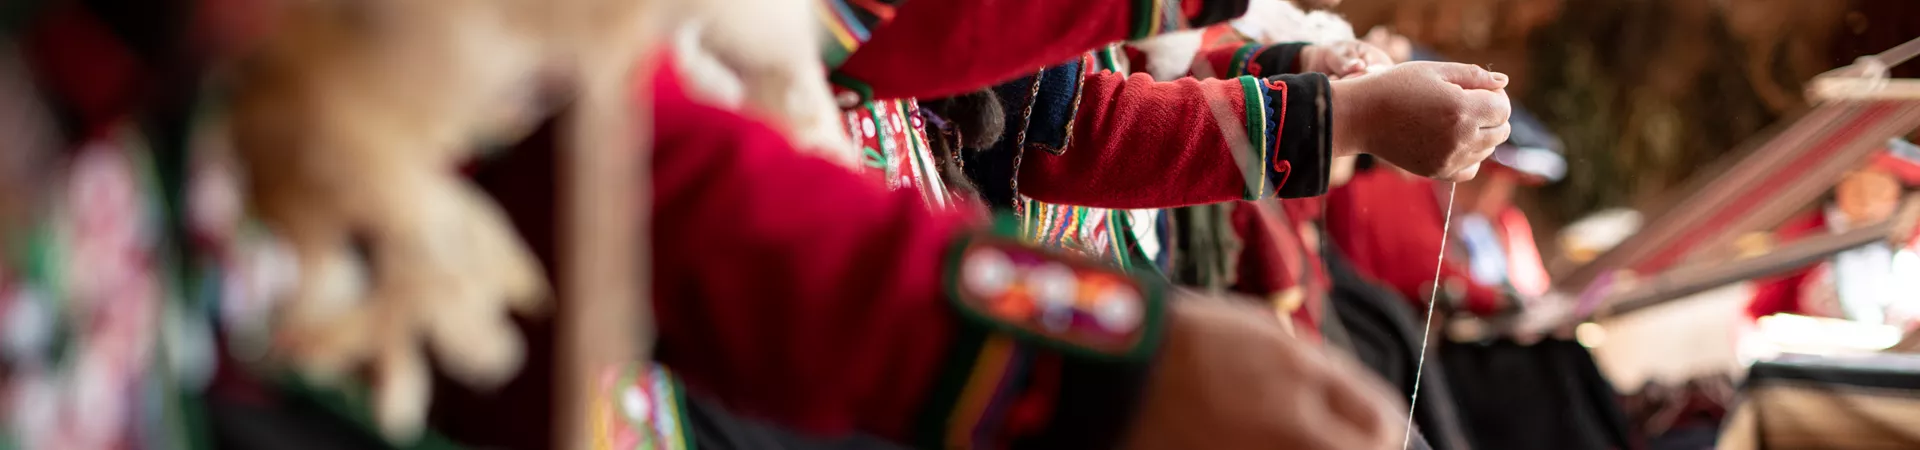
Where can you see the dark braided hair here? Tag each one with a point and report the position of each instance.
(958, 126)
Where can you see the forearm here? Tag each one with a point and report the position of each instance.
(927, 50)
(793, 291)
(1137, 143)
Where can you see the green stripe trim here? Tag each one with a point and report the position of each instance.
(1143, 14)
(930, 429)
(1256, 125)
(852, 84)
(681, 421)
(1238, 66)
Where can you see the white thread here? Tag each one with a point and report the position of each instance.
(1427, 330)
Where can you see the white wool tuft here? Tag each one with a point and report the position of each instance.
(1170, 55)
(1273, 21)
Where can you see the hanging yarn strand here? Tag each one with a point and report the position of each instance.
(1427, 329)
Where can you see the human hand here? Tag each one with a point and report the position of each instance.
(1229, 378)
(1343, 59)
(1434, 119)
(1396, 46)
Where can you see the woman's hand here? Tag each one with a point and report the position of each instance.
(1343, 59)
(1230, 378)
(1437, 120)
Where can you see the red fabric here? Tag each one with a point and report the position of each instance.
(1907, 171)
(1305, 209)
(1781, 293)
(1129, 129)
(1221, 35)
(1390, 223)
(936, 48)
(82, 61)
(1220, 60)
(1275, 258)
(788, 287)
(1525, 272)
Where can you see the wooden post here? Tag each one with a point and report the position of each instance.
(605, 315)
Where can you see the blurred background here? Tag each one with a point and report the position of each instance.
(1645, 93)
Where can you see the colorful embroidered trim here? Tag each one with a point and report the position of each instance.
(639, 407)
(844, 32)
(1260, 134)
(1076, 229)
(999, 374)
(1108, 58)
(913, 130)
(849, 92)
(1074, 305)
(1276, 92)
(1242, 62)
(1146, 18)
(1154, 17)
(1050, 112)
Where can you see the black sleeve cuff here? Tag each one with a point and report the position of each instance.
(1306, 135)
(1279, 59)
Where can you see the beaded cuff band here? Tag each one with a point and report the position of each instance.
(639, 406)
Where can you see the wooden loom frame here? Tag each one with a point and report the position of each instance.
(1757, 192)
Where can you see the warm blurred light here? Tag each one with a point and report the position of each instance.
(1587, 238)
(1813, 335)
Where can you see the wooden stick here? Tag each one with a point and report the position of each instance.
(1693, 279)
(605, 319)
(1863, 89)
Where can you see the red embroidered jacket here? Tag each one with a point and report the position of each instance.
(1781, 293)
(801, 294)
(1389, 223)
(793, 291)
(1195, 126)
(1276, 258)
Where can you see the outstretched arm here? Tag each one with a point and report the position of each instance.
(935, 48)
(1140, 143)
(795, 291)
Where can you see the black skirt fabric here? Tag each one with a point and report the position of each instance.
(1548, 395)
(1382, 330)
(716, 429)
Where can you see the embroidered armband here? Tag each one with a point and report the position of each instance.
(1051, 351)
(1072, 304)
(639, 406)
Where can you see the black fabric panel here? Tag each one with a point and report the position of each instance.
(1549, 395)
(1279, 59)
(1856, 375)
(1306, 134)
(243, 426)
(1384, 333)
(716, 429)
